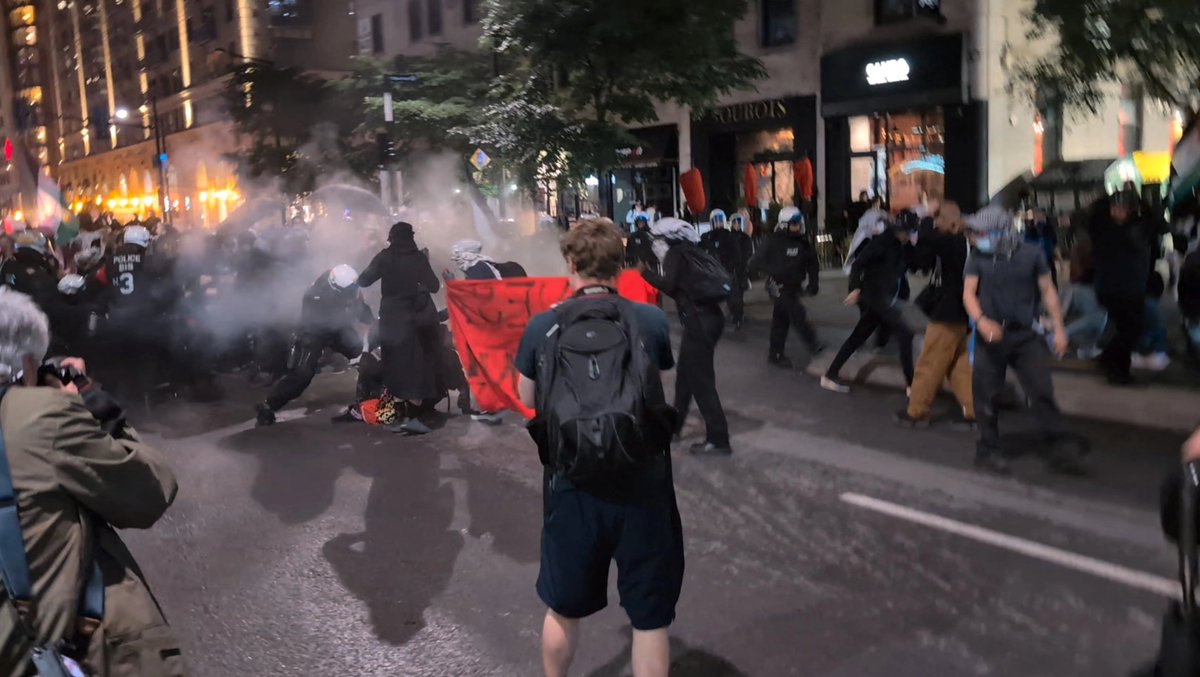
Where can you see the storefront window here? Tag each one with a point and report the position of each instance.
(860, 134)
(778, 22)
(914, 143)
(771, 155)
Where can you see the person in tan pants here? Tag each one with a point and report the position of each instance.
(942, 247)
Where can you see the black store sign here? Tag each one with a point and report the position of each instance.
(879, 77)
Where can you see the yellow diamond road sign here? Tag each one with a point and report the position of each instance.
(480, 159)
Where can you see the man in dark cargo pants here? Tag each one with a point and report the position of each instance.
(1002, 283)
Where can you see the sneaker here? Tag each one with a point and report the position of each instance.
(264, 415)
(488, 418)
(710, 449)
(1138, 361)
(834, 385)
(902, 419)
(352, 414)
(992, 463)
(782, 361)
(1089, 354)
(409, 426)
(1156, 362)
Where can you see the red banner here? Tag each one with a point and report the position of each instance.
(487, 319)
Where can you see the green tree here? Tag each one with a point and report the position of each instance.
(280, 110)
(579, 71)
(1152, 42)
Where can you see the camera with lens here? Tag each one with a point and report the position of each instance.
(64, 374)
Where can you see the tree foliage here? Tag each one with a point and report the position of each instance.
(1152, 42)
(280, 110)
(578, 71)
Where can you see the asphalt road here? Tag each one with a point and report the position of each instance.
(310, 548)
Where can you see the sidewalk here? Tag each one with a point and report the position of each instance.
(1169, 400)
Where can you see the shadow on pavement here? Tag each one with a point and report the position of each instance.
(404, 557)
(685, 662)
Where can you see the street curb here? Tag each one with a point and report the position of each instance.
(1082, 395)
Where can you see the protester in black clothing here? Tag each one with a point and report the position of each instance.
(469, 257)
(408, 323)
(876, 279)
(1125, 244)
(639, 249)
(1003, 283)
(328, 314)
(789, 258)
(703, 324)
(726, 247)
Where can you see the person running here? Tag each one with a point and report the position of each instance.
(703, 323)
(942, 247)
(628, 515)
(876, 279)
(788, 257)
(1004, 280)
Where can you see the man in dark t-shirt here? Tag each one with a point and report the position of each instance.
(1003, 282)
(583, 531)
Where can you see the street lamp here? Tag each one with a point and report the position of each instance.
(121, 114)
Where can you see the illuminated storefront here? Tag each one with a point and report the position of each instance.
(899, 124)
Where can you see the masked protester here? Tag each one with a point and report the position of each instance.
(722, 244)
(1004, 281)
(468, 256)
(876, 279)
(408, 325)
(703, 323)
(942, 250)
(788, 257)
(328, 314)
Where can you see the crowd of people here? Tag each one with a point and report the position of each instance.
(161, 312)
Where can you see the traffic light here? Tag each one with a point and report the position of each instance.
(387, 150)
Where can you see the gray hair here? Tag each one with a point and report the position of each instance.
(24, 331)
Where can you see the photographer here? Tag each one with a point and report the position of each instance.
(77, 471)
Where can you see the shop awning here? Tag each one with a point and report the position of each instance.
(1080, 173)
(655, 146)
(1185, 165)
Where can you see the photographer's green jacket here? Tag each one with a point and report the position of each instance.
(73, 483)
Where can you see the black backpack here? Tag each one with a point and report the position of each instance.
(601, 411)
(705, 280)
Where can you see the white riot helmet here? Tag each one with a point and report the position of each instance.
(342, 277)
(71, 284)
(136, 235)
(717, 218)
(789, 215)
(737, 222)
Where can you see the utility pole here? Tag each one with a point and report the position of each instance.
(160, 152)
(391, 181)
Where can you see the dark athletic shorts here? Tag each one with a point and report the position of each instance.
(584, 532)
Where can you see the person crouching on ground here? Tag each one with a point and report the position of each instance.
(942, 246)
(1002, 284)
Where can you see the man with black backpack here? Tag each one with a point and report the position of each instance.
(698, 284)
(590, 368)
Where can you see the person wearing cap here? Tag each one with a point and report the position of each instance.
(1125, 244)
(876, 279)
(788, 257)
(725, 246)
(331, 308)
(1004, 280)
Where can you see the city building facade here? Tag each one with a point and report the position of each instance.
(123, 101)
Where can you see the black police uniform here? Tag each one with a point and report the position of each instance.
(725, 246)
(791, 261)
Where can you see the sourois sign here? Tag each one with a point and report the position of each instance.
(889, 71)
(774, 109)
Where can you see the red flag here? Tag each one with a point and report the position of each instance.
(693, 190)
(803, 170)
(750, 186)
(488, 318)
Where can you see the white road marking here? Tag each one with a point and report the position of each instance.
(1112, 572)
